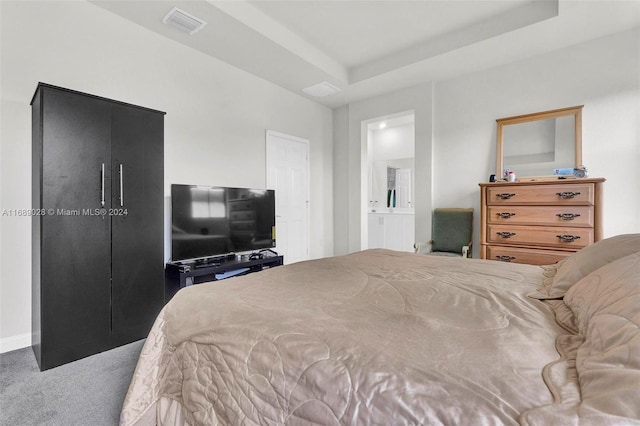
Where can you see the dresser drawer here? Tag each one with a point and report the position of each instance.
(240, 205)
(541, 215)
(242, 215)
(549, 236)
(524, 255)
(574, 194)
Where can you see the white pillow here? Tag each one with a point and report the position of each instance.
(570, 270)
(606, 304)
(597, 380)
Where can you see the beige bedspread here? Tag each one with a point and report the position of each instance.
(375, 337)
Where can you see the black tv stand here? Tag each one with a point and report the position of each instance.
(209, 261)
(206, 264)
(182, 274)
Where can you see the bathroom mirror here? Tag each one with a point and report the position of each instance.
(390, 162)
(392, 183)
(534, 145)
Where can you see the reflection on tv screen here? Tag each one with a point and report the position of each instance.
(209, 221)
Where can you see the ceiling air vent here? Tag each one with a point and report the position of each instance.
(184, 21)
(321, 89)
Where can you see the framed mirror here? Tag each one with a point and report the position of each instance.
(534, 145)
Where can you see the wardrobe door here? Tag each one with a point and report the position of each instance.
(138, 220)
(75, 249)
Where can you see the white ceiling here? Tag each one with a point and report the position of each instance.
(369, 47)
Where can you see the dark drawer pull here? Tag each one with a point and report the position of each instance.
(567, 216)
(505, 215)
(567, 195)
(565, 238)
(505, 196)
(506, 234)
(504, 258)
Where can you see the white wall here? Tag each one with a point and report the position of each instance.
(603, 75)
(392, 143)
(456, 132)
(351, 159)
(215, 125)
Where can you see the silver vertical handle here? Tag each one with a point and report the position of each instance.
(102, 186)
(121, 187)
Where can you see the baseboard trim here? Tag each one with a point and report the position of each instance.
(8, 344)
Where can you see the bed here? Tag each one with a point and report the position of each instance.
(381, 337)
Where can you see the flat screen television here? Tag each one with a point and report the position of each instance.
(211, 221)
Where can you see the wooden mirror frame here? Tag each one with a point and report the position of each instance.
(575, 111)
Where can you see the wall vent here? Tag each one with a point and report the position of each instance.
(184, 21)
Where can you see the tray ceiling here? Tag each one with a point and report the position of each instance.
(367, 48)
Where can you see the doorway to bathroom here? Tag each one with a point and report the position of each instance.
(391, 181)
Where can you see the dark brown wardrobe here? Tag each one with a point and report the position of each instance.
(98, 200)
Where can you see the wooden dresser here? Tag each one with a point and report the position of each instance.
(539, 222)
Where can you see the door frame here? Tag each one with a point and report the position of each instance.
(268, 143)
(366, 146)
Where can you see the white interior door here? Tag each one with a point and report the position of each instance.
(403, 188)
(288, 174)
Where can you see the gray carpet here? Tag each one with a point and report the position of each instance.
(85, 392)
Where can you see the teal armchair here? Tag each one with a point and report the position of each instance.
(451, 233)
